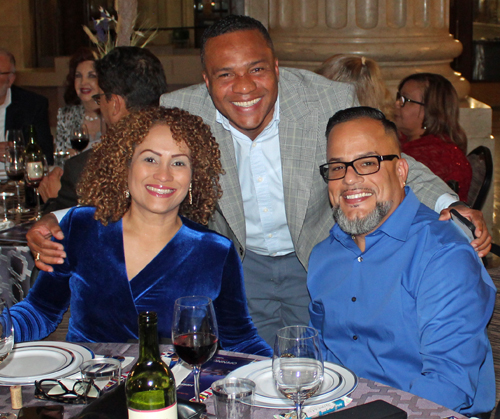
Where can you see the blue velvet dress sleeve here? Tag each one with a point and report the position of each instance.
(39, 314)
(236, 331)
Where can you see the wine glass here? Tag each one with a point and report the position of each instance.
(194, 333)
(6, 331)
(14, 167)
(80, 138)
(5, 223)
(35, 167)
(297, 364)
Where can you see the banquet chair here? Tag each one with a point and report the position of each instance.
(481, 162)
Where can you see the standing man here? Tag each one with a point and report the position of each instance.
(20, 108)
(269, 123)
(398, 296)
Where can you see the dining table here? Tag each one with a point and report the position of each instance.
(16, 260)
(366, 391)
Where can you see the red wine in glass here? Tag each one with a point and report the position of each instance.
(195, 333)
(79, 143)
(80, 138)
(196, 348)
(16, 175)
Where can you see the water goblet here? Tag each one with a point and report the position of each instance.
(33, 175)
(14, 167)
(297, 364)
(195, 333)
(6, 331)
(5, 223)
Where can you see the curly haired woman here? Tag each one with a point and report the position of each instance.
(130, 247)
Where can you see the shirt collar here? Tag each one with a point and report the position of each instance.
(221, 119)
(396, 226)
(8, 100)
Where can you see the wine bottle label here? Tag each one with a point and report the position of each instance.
(34, 170)
(169, 412)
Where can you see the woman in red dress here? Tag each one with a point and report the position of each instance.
(426, 115)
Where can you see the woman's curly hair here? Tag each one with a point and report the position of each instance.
(104, 180)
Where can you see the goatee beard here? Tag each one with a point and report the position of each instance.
(364, 225)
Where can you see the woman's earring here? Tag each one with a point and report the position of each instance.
(190, 193)
(127, 194)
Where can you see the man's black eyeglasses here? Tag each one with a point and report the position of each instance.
(3, 73)
(363, 166)
(57, 390)
(97, 98)
(404, 99)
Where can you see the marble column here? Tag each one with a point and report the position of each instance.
(403, 36)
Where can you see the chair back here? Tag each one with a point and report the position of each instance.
(482, 172)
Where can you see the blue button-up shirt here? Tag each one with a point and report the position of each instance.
(410, 311)
(261, 182)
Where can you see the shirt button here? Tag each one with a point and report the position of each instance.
(353, 299)
(360, 259)
(259, 179)
(265, 210)
(253, 144)
(269, 235)
(355, 337)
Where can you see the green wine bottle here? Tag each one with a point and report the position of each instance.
(150, 386)
(33, 160)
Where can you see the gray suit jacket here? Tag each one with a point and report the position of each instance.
(307, 101)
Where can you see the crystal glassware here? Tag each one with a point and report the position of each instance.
(195, 333)
(14, 167)
(297, 364)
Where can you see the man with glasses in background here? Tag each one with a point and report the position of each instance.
(398, 296)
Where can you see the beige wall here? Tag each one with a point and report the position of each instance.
(16, 30)
(165, 13)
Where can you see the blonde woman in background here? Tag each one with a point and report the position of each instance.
(366, 76)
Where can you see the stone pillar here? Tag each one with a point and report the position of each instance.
(403, 36)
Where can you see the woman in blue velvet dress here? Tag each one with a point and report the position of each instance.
(129, 249)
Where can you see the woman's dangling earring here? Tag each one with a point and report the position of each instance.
(190, 194)
(127, 194)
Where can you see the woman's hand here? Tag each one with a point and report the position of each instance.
(45, 251)
(482, 243)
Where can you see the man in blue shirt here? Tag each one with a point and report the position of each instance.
(397, 296)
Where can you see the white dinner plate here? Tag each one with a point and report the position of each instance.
(338, 381)
(32, 361)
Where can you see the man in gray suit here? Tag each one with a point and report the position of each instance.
(270, 123)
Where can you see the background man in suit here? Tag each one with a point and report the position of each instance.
(129, 78)
(20, 108)
(269, 123)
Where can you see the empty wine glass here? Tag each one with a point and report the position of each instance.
(5, 223)
(194, 333)
(297, 364)
(80, 138)
(14, 167)
(35, 167)
(6, 331)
